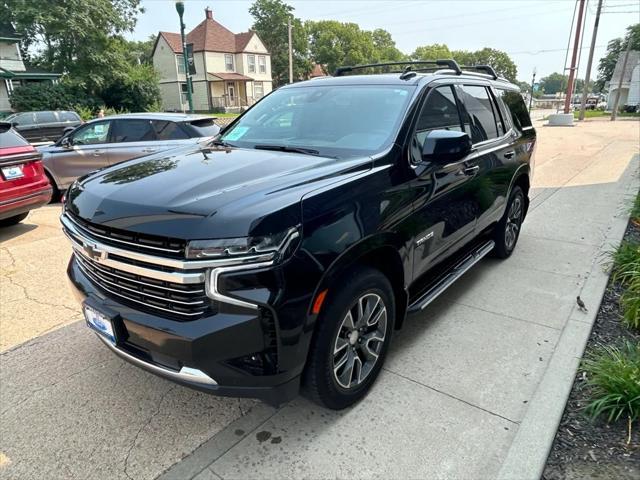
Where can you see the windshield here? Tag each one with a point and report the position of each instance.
(337, 121)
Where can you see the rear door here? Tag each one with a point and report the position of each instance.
(49, 127)
(132, 138)
(444, 212)
(87, 151)
(493, 143)
(169, 135)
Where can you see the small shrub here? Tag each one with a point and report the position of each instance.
(614, 375)
(630, 301)
(625, 263)
(635, 210)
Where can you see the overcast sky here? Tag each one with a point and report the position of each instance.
(533, 32)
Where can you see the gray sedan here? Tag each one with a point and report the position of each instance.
(106, 141)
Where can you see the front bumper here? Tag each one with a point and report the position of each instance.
(205, 353)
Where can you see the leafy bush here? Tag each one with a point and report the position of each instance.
(135, 91)
(614, 375)
(51, 96)
(626, 271)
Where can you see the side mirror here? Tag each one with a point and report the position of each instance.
(14, 124)
(65, 142)
(445, 146)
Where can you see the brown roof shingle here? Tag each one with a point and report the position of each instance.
(210, 36)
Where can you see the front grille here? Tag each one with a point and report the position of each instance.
(180, 301)
(137, 242)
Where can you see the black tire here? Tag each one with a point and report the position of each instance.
(322, 379)
(7, 222)
(507, 231)
(55, 191)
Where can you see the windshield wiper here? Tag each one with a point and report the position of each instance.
(221, 143)
(285, 148)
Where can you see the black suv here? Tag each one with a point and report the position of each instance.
(289, 249)
(46, 126)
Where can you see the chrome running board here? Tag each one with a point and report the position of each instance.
(454, 274)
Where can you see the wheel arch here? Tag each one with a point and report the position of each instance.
(522, 179)
(381, 252)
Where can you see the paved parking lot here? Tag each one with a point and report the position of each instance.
(465, 391)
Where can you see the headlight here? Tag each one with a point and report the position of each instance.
(234, 247)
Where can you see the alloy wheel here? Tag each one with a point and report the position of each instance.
(359, 340)
(514, 219)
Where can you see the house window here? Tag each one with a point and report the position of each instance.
(180, 61)
(251, 60)
(262, 64)
(258, 90)
(228, 62)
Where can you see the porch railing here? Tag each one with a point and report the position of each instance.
(227, 101)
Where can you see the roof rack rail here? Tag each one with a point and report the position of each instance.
(488, 69)
(451, 64)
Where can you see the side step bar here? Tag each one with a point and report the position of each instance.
(454, 274)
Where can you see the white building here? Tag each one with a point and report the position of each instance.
(13, 71)
(232, 70)
(630, 90)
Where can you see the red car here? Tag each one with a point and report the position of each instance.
(23, 183)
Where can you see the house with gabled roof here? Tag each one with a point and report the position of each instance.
(13, 71)
(232, 70)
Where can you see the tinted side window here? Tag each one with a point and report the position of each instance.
(517, 107)
(132, 131)
(23, 119)
(91, 134)
(11, 138)
(46, 117)
(439, 112)
(479, 119)
(168, 130)
(68, 117)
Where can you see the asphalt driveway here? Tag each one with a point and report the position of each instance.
(470, 390)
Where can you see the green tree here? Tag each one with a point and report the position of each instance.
(72, 36)
(499, 60)
(385, 47)
(437, 51)
(554, 83)
(615, 48)
(270, 23)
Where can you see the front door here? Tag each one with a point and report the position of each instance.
(444, 207)
(231, 92)
(87, 150)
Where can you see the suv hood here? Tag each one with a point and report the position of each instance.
(206, 192)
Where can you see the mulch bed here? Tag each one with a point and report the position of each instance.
(585, 448)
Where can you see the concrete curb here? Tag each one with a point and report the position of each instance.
(528, 453)
(219, 444)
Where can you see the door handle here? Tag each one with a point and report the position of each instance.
(509, 154)
(470, 171)
(97, 153)
(149, 150)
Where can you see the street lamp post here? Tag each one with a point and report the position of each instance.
(180, 10)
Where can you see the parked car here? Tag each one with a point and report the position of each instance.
(46, 126)
(290, 248)
(106, 141)
(23, 184)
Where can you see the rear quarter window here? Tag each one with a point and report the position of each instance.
(11, 138)
(69, 116)
(518, 109)
(205, 127)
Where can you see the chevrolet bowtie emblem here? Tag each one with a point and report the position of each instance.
(92, 251)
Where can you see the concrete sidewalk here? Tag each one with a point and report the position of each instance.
(473, 389)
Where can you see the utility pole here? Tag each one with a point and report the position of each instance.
(533, 82)
(587, 76)
(290, 51)
(180, 10)
(614, 114)
(574, 58)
